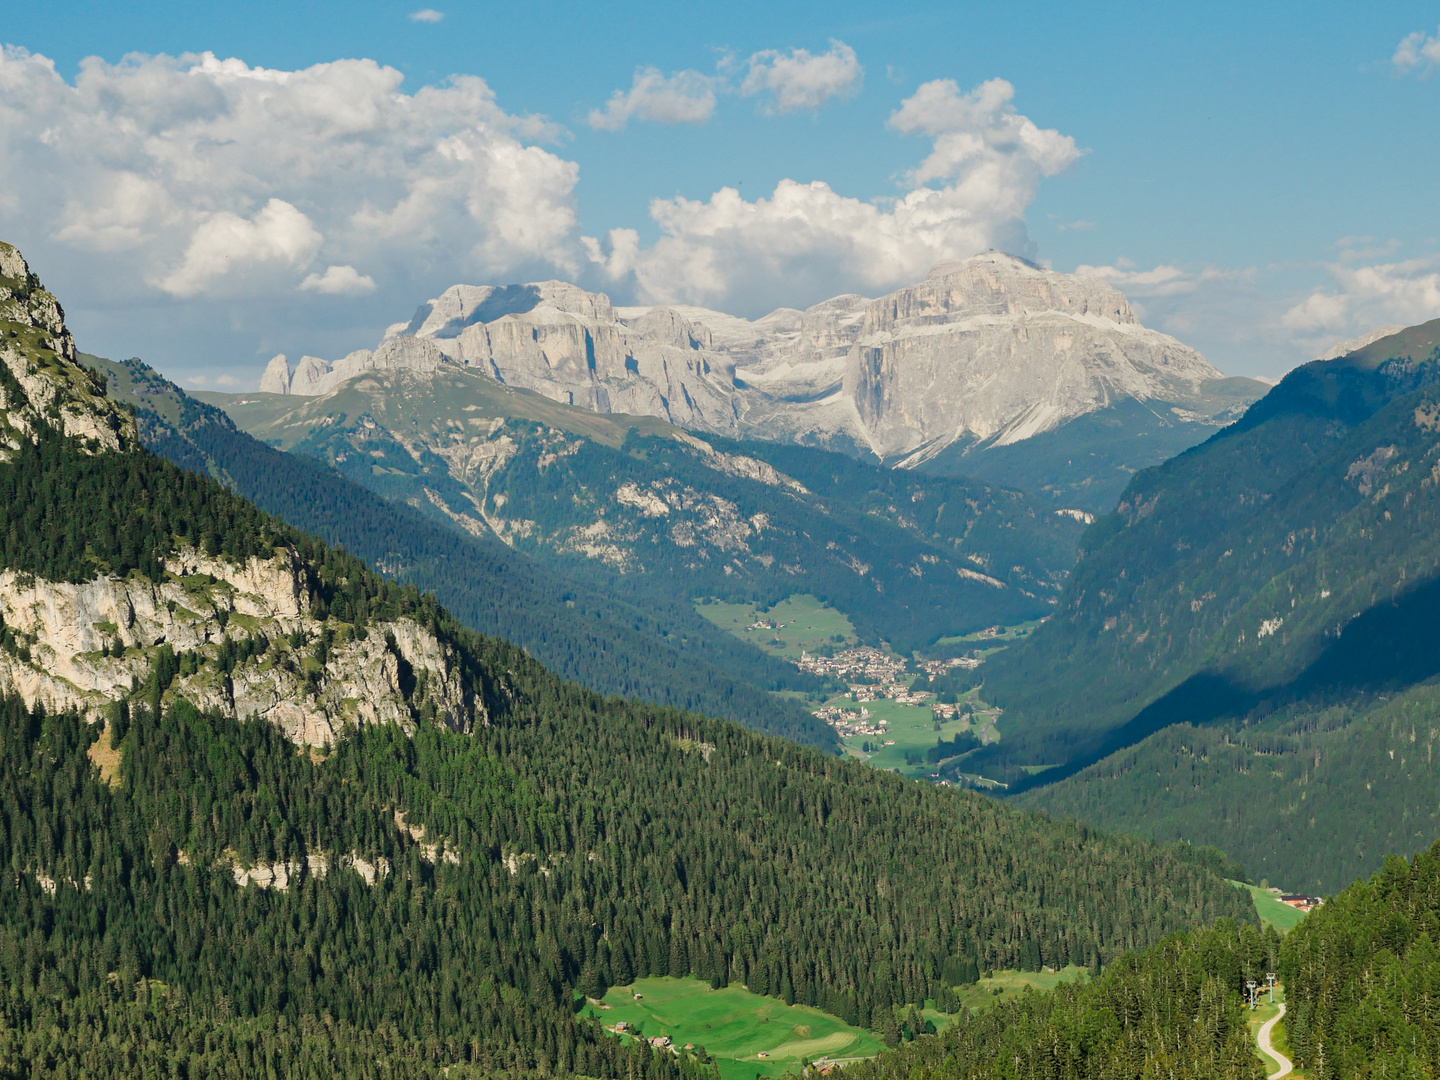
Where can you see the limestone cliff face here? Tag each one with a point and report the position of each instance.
(250, 643)
(988, 351)
(41, 384)
(70, 634)
(558, 340)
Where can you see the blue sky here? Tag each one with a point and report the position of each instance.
(1259, 179)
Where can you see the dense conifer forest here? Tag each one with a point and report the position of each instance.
(1362, 976)
(1172, 1011)
(1310, 796)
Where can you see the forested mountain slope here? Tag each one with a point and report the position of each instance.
(419, 877)
(1362, 977)
(1292, 555)
(640, 510)
(664, 654)
(1174, 1011)
(1309, 796)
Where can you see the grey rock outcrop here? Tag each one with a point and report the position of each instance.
(50, 388)
(276, 379)
(71, 632)
(987, 351)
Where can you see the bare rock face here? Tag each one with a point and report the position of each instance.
(42, 384)
(276, 379)
(992, 349)
(71, 631)
(986, 351)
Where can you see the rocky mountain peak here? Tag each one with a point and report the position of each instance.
(42, 383)
(988, 350)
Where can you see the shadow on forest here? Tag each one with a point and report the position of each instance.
(1389, 647)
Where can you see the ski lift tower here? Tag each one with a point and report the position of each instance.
(1270, 978)
(1250, 989)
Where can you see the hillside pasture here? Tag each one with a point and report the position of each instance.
(733, 1025)
(803, 624)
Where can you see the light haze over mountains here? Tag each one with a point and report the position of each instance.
(986, 352)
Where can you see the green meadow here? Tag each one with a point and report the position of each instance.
(803, 624)
(913, 728)
(733, 1025)
(1272, 912)
(1004, 985)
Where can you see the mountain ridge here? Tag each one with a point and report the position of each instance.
(984, 355)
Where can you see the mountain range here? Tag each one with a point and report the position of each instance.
(268, 812)
(980, 370)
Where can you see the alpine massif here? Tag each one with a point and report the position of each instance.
(992, 367)
(266, 811)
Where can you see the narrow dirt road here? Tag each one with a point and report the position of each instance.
(1263, 1038)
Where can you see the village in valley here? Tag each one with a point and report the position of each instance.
(896, 713)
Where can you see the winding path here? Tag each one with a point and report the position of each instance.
(1262, 1037)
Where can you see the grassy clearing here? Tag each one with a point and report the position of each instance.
(1011, 984)
(912, 727)
(982, 640)
(734, 1026)
(1278, 1038)
(1272, 912)
(802, 623)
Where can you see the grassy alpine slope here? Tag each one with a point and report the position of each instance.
(439, 889)
(662, 654)
(642, 511)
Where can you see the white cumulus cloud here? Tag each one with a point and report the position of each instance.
(685, 97)
(806, 241)
(225, 243)
(194, 177)
(1417, 50)
(426, 15)
(339, 281)
(800, 80)
(1364, 296)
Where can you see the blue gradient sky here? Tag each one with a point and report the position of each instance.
(1262, 153)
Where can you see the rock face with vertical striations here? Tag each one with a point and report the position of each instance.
(984, 354)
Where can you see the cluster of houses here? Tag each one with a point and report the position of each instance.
(1301, 903)
(849, 723)
(660, 1042)
(894, 691)
(933, 668)
(860, 661)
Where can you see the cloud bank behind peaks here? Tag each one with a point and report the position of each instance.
(806, 241)
(205, 179)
